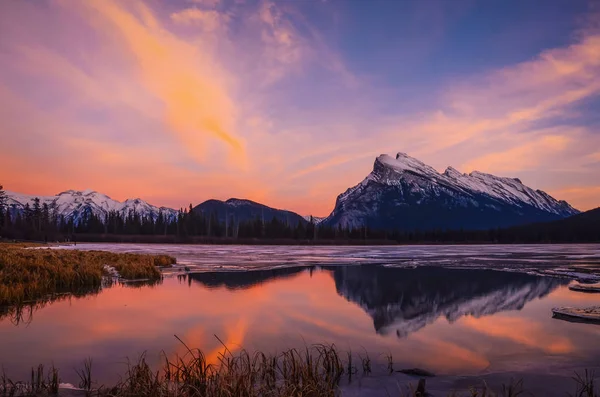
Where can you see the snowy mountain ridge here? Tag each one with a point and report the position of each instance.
(75, 205)
(397, 185)
(510, 190)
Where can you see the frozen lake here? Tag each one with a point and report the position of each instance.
(474, 311)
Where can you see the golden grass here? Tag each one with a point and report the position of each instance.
(31, 274)
(315, 371)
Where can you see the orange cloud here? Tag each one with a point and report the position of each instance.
(522, 331)
(196, 102)
(588, 197)
(521, 157)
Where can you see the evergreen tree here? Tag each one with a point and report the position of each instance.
(3, 209)
(37, 215)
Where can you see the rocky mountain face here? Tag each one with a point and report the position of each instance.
(406, 194)
(404, 300)
(75, 205)
(315, 219)
(240, 210)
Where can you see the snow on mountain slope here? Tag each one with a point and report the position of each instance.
(73, 204)
(405, 192)
(316, 219)
(510, 190)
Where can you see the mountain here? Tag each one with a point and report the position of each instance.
(242, 210)
(406, 194)
(404, 300)
(316, 219)
(75, 205)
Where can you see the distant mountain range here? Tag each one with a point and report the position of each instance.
(400, 193)
(75, 205)
(406, 194)
(240, 210)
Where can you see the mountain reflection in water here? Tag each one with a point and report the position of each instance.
(405, 300)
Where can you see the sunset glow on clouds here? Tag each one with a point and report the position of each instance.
(289, 103)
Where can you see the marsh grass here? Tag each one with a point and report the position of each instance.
(315, 371)
(585, 384)
(41, 383)
(31, 274)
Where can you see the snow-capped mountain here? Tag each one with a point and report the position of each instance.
(316, 219)
(75, 205)
(404, 193)
(402, 300)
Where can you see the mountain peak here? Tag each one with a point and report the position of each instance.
(404, 162)
(235, 209)
(67, 193)
(452, 172)
(236, 201)
(86, 192)
(404, 192)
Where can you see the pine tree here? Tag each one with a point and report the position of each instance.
(7, 221)
(3, 199)
(37, 214)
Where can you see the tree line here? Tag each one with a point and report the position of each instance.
(43, 222)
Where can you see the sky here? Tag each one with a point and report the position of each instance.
(288, 103)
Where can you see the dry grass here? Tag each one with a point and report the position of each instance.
(40, 384)
(315, 371)
(32, 274)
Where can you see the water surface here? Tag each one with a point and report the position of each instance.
(451, 310)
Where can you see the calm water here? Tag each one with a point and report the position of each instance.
(445, 309)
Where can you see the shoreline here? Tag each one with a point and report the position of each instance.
(282, 242)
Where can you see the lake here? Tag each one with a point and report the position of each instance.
(462, 312)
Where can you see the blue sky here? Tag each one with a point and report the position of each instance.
(289, 102)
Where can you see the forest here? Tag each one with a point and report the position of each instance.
(41, 222)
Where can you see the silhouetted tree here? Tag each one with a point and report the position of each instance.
(3, 209)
